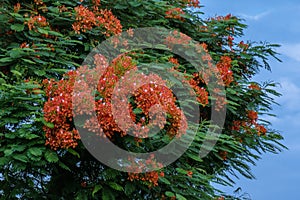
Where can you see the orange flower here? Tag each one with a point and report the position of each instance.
(130, 32)
(202, 94)
(252, 115)
(254, 86)
(224, 67)
(58, 108)
(190, 174)
(243, 46)
(261, 130)
(175, 13)
(230, 41)
(38, 2)
(177, 38)
(87, 20)
(17, 7)
(221, 18)
(236, 125)
(150, 177)
(58, 111)
(24, 45)
(38, 20)
(193, 3)
(223, 154)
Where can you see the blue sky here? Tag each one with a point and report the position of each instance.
(277, 176)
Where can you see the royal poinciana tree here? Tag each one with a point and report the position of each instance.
(43, 46)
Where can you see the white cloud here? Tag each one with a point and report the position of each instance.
(290, 99)
(290, 50)
(255, 17)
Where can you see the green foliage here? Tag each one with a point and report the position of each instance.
(28, 55)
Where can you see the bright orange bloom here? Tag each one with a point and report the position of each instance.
(261, 130)
(190, 174)
(17, 7)
(175, 13)
(254, 86)
(252, 115)
(87, 20)
(223, 154)
(38, 20)
(224, 67)
(193, 3)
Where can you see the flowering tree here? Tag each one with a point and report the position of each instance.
(43, 46)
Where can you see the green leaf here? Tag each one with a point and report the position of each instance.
(43, 31)
(48, 124)
(181, 171)
(18, 147)
(129, 188)
(24, 98)
(81, 195)
(8, 152)
(64, 166)
(164, 180)
(31, 136)
(55, 33)
(10, 135)
(16, 15)
(20, 157)
(115, 186)
(107, 194)
(96, 189)
(180, 197)
(194, 157)
(17, 27)
(135, 3)
(120, 6)
(15, 72)
(3, 161)
(39, 72)
(169, 194)
(6, 60)
(16, 53)
(73, 152)
(51, 156)
(28, 61)
(137, 111)
(35, 151)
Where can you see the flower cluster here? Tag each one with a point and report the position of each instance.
(189, 174)
(150, 177)
(87, 19)
(150, 95)
(36, 21)
(17, 7)
(153, 94)
(251, 122)
(243, 46)
(223, 155)
(38, 2)
(224, 67)
(117, 81)
(202, 94)
(254, 86)
(175, 13)
(24, 45)
(230, 41)
(222, 18)
(177, 38)
(192, 3)
(58, 111)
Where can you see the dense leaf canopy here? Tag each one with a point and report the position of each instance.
(44, 42)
